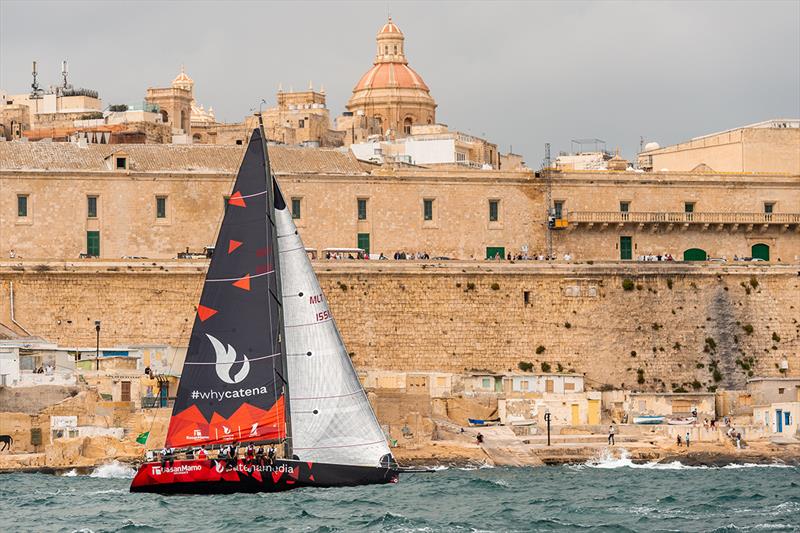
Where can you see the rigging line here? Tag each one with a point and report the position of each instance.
(248, 359)
(309, 324)
(329, 397)
(237, 279)
(254, 194)
(291, 250)
(342, 445)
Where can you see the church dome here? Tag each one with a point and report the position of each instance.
(391, 91)
(391, 75)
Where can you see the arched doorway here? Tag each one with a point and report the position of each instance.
(760, 251)
(407, 126)
(164, 116)
(695, 254)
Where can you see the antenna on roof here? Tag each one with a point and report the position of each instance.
(36, 92)
(64, 73)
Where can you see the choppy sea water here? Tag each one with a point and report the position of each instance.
(603, 495)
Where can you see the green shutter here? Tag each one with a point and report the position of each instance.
(492, 251)
(93, 243)
(363, 241)
(626, 248)
(695, 254)
(760, 251)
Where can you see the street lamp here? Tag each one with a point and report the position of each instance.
(547, 419)
(97, 352)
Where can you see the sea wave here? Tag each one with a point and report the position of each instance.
(114, 469)
(607, 460)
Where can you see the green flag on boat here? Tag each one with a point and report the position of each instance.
(142, 439)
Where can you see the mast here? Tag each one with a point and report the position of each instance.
(272, 229)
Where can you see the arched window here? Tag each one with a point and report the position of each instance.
(164, 116)
(386, 50)
(183, 122)
(196, 137)
(407, 126)
(395, 49)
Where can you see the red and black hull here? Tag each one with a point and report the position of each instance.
(204, 476)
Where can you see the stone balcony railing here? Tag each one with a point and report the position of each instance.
(734, 219)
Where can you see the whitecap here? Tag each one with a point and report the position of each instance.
(114, 469)
(71, 473)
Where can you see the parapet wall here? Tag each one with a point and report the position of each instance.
(667, 330)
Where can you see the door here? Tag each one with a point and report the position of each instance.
(626, 248)
(548, 385)
(498, 384)
(125, 395)
(594, 412)
(93, 243)
(760, 251)
(779, 420)
(695, 254)
(492, 251)
(363, 242)
(576, 418)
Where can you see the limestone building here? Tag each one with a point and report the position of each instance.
(156, 201)
(771, 146)
(391, 93)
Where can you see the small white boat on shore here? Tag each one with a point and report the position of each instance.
(648, 419)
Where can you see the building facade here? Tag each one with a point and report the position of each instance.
(771, 146)
(157, 200)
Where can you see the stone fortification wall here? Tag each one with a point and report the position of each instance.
(677, 325)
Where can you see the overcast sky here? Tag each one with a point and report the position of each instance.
(519, 73)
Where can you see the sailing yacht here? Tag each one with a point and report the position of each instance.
(266, 364)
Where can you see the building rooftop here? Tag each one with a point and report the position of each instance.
(63, 156)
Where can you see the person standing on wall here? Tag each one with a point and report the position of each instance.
(611, 432)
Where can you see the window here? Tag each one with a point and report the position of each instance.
(362, 209)
(494, 210)
(768, 210)
(407, 126)
(301, 123)
(91, 206)
(623, 209)
(296, 213)
(523, 385)
(122, 163)
(427, 209)
(460, 157)
(161, 207)
(781, 390)
(125, 391)
(486, 383)
(569, 386)
(22, 205)
(558, 208)
(688, 208)
(395, 49)
(526, 297)
(238, 142)
(93, 243)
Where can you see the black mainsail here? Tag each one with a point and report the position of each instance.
(231, 388)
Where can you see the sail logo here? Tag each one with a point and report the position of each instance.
(225, 361)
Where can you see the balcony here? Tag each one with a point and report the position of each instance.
(733, 221)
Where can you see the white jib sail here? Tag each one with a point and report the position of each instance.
(332, 420)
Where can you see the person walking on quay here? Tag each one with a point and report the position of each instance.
(611, 432)
(687, 439)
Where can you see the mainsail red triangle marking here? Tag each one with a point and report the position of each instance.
(237, 200)
(205, 312)
(232, 245)
(243, 283)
